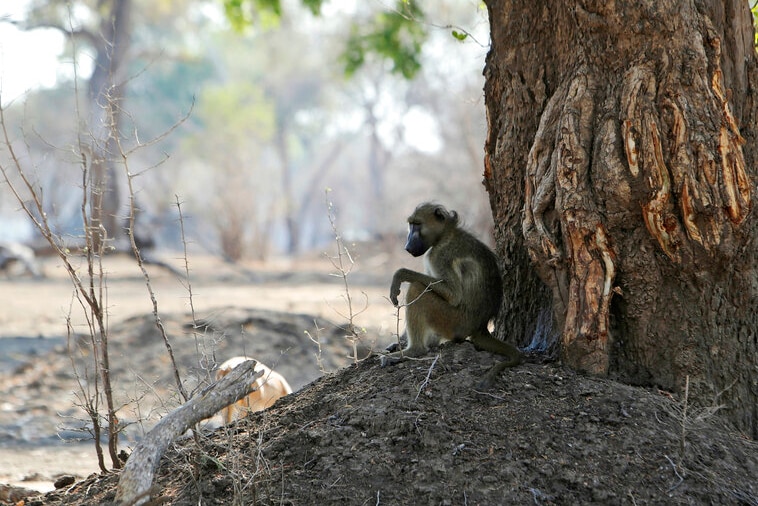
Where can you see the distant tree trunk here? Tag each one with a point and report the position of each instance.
(377, 164)
(108, 37)
(105, 94)
(621, 166)
(281, 139)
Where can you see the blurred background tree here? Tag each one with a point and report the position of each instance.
(274, 118)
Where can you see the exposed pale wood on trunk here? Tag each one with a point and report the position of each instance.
(621, 164)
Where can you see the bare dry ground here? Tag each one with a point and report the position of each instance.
(39, 416)
(419, 432)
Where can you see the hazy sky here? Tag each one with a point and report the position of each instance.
(27, 59)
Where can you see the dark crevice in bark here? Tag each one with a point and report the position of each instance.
(620, 167)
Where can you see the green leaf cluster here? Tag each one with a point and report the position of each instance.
(461, 36)
(244, 13)
(395, 35)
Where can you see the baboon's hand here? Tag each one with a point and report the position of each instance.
(394, 292)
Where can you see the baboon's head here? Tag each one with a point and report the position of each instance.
(427, 225)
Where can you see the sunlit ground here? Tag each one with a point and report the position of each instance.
(40, 307)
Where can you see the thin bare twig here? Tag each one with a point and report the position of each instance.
(136, 251)
(428, 377)
(676, 472)
(406, 304)
(317, 341)
(344, 264)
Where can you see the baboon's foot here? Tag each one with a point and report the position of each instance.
(390, 359)
(392, 348)
(400, 344)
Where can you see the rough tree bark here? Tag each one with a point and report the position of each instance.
(621, 166)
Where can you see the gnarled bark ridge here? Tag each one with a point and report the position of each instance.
(621, 167)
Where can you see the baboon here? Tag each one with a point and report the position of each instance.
(459, 294)
(270, 387)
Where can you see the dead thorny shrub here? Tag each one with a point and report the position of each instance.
(343, 263)
(692, 424)
(90, 290)
(95, 391)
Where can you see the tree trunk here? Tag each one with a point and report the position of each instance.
(290, 211)
(620, 163)
(377, 164)
(105, 94)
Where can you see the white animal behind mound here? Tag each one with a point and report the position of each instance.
(270, 386)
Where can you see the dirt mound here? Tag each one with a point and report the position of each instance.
(420, 432)
(39, 406)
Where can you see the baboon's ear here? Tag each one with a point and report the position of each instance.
(454, 216)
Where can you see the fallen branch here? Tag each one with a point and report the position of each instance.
(136, 480)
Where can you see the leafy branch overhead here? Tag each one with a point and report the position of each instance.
(242, 13)
(395, 35)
